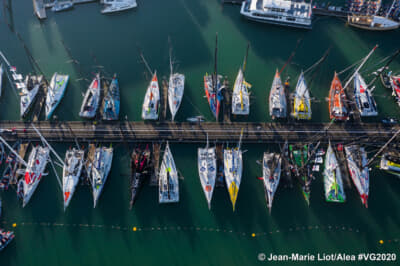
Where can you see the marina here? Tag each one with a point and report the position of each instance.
(275, 209)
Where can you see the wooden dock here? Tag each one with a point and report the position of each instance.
(220, 182)
(40, 9)
(334, 12)
(155, 163)
(40, 99)
(23, 148)
(75, 2)
(186, 132)
(226, 103)
(104, 90)
(89, 160)
(164, 103)
(341, 157)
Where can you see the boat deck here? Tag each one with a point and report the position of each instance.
(155, 163)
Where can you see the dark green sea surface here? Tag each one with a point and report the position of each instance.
(188, 233)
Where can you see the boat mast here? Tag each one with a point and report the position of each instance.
(245, 57)
(170, 56)
(48, 145)
(359, 67)
(384, 67)
(215, 78)
(14, 152)
(390, 9)
(146, 64)
(240, 139)
(383, 147)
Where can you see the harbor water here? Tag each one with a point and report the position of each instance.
(188, 233)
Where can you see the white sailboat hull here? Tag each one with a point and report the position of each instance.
(100, 169)
(207, 167)
(37, 162)
(168, 179)
(72, 171)
(55, 92)
(176, 88)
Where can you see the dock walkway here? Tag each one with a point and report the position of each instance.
(129, 131)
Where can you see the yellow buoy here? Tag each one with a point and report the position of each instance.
(14, 225)
(253, 235)
(134, 229)
(381, 241)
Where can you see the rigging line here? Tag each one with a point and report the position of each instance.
(350, 67)
(145, 62)
(193, 105)
(74, 61)
(376, 64)
(322, 59)
(383, 147)
(292, 54)
(15, 90)
(55, 172)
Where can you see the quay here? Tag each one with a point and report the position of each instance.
(129, 131)
(50, 5)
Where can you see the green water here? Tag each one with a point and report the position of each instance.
(188, 233)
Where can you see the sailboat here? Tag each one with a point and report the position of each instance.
(299, 157)
(277, 98)
(111, 6)
(28, 88)
(62, 6)
(73, 164)
(373, 21)
(207, 166)
(99, 170)
(140, 162)
(212, 87)
(233, 169)
(91, 100)
(1, 78)
(338, 108)
(333, 182)
(365, 102)
(390, 162)
(176, 87)
(55, 92)
(168, 183)
(112, 101)
(151, 100)
(395, 84)
(241, 95)
(357, 164)
(272, 169)
(11, 168)
(5, 238)
(34, 172)
(302, 101)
